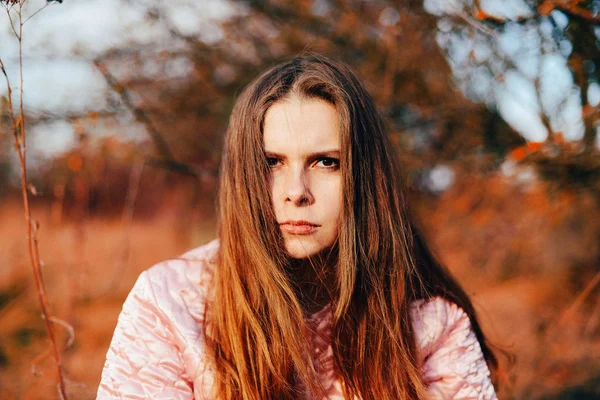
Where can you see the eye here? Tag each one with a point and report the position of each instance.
(273, 162)
(328, 162)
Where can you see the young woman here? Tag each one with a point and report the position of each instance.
(319, 285)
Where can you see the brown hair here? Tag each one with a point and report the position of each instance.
(383, 262)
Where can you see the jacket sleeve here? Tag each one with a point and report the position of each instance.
(454, 366)
(143, 361)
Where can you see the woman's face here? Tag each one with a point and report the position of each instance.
(302, 145)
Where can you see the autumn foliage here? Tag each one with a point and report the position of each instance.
(516, 220)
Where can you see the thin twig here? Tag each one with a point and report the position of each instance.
(579, 300)
(38, 359)
(35, 13)
(18, 125)
(42, 356)
(594, 319)
(69, 329)
(8, 10)
(140, 115)
(168, 160)
(476, 24)
(572, 10)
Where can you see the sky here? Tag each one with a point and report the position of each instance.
(60, 43)
(521, 70)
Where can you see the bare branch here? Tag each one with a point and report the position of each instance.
(69, 329)
(8, 6)
(8, 10)
(159, 141)
(568, 314)
(476, 24)
(570, 9)
(142, 117)
(545, 8)
(39, 358)
(35, 13)
(32, 227)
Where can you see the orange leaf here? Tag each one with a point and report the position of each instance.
(482, 15)
(546, 8)
(518, 154)
(75, 163)
(533, 146)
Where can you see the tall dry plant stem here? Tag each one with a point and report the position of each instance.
(18, 127)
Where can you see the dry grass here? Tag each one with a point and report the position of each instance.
(522, 255)
(88, 273)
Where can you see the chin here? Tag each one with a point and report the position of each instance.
(299, 247)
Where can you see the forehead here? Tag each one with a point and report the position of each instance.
(296, 125)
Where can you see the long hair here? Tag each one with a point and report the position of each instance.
(258, 337)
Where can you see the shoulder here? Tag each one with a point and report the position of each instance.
(189, 268)
(182, 282)
(157, 347)
(452, 363)
(434, 320)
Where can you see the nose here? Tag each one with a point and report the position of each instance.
(297, 187)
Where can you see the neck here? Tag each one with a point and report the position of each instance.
(313, 279)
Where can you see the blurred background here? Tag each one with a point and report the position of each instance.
(493, 107)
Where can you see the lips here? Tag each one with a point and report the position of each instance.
(298, 227)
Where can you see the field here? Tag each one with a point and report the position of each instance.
(527, 255)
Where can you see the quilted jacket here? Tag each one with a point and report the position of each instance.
(158, 350)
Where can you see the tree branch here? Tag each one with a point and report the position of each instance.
(35, 13)
(570, 9)
(141, 116)
(8, 9)
(475, 23)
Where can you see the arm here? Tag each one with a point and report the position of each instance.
(143, 360)
(454, 366)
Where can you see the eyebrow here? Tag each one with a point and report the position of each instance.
(323, 153)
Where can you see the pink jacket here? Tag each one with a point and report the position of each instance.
(158, 351)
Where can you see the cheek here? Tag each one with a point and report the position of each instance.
(338, 204)
(331, 196)
(274, 189)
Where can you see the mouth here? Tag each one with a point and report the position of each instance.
(299, 227)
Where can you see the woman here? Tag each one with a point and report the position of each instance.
(319, 285)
